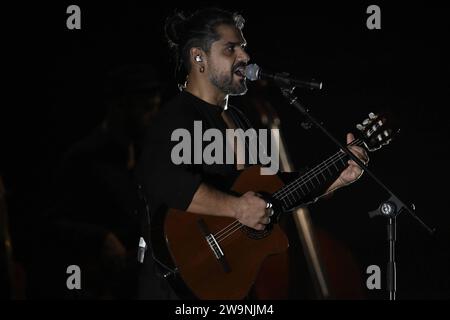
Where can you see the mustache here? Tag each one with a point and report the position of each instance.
(238, 65)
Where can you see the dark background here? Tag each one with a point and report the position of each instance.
(56, 77)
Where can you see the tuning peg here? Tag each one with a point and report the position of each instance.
(360, 127)
(372, 115)
(379, 137)
(366, 122)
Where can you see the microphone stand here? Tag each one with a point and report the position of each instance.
(389, 209)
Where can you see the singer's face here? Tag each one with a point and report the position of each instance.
(226, 61)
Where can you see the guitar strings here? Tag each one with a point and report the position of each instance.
(314, 172)
(235, 228)
(303, 179)
(220, 232)
(236, 225)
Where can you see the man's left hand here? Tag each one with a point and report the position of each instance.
(353, 172)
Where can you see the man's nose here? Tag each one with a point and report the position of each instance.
(244, 56)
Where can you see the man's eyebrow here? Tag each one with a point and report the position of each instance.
(230, 43)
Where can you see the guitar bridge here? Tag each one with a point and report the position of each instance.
(214, 245)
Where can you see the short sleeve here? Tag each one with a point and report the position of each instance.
(167, 183)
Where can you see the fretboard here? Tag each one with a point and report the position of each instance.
(294, 193)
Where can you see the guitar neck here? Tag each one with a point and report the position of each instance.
(313, 181)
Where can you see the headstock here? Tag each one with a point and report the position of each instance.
(376, 131)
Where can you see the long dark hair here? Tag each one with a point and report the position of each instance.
(198, 30)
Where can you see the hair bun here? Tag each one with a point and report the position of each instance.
(175, 28)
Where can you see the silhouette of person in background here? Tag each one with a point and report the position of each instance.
(94, 220)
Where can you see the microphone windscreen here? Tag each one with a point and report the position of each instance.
(252, 72)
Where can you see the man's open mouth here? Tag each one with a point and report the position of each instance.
(240, 71)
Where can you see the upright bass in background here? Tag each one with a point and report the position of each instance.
(326, 258)
(267, 286)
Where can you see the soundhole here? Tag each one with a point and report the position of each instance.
(255, 234)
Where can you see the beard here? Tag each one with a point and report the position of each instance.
(227, 84)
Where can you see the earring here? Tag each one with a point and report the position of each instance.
(198, 58)
(202, 69)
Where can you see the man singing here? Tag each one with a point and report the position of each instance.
(210, 58)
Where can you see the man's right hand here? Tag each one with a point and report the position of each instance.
(250, 210)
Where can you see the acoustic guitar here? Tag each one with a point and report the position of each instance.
(218, 257)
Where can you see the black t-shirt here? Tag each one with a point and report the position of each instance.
(170, 185)
(174, 185)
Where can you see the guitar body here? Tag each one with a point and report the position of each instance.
(244, 250)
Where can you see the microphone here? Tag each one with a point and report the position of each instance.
(254, 72)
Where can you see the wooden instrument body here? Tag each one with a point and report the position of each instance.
(195, 260)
